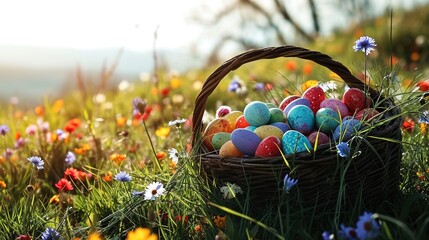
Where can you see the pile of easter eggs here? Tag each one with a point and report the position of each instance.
(296, 125)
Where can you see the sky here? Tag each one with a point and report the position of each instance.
(88, 24)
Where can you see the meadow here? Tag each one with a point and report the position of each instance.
(118, 163)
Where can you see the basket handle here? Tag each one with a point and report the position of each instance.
(268, 53)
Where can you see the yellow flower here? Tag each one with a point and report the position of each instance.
(163, 132)
(95, 236)
(335, 76)
(58, 105)
(423, 128)
(175, 82)
(2, 184)
(141, 234)
(55, 199)
(308, 84)
(121, 121)
(117, 158)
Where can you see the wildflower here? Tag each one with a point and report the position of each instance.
(424, 117)
(308, 84)
(123, 177)
(20, 142)
(291, 66)
(121, 121)
(71, 173)
(347, 232)
(70, 158)
(365, 44)
(95, 236)
(222, 111)
(108, 176)
(139, 105)
(307, 68)
(4, 130)
(343, 149)
(173, 155)
(31, 130)
(408, 125)
(2, 184)
(237, 86)
(50, 234)
(260, 87)
(117, 158)
(230, 190)
(165, 92)
(420, 175)
(36, 161)
(54, 199)
(64, 185)
(220, 221)
(141, 234)
(176, 122)
(289, 182)
(423, 85)
(162, 132)
(23, 237)
(72, 125)
(328, 86)
(154, 190)
(160, 155)
(367, 227)
(327, 235)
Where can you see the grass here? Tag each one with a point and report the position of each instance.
(106, 137)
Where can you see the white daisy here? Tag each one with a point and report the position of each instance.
(174, 155)
(154, 190)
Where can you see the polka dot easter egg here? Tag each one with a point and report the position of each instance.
(215, 126)
(315, 95)
(268, 130)
(269, 147)
(229, 150)
(257, 113)
(232, 118)
(219, 139)
(276, 115)
(301, 119)
(295, 142)
(319, 138)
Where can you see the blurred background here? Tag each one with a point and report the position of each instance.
(48, 47)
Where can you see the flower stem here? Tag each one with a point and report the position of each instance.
(151, 145)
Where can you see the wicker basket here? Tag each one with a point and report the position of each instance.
(372, 176)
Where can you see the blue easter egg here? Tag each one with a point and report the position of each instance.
(346, 130)
(295, 142)
(296, 102)
(245, 141)
(301, 119)
(283, 126)
(256, 113)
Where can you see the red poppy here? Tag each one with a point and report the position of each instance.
(71, 173)
(64, 185)
(165, 92)
(423, 85)
(408, 125)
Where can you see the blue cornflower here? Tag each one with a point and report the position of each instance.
(70, 158)
(343, 149)
(365, 44)
(260, 87)
(234, 85)
(136, 193)
(50, 234)
(367, 227)
(36, 161)
(424, 117)
(348, 233)
(289, 182)
(123, 177)
(326, 235)
(4, 129)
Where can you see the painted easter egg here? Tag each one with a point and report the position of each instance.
(271, 105)
(241, 122)
(229, 150)
(276, 115)
(355, 99)
(245, 140)
(327, 119)
(315, 95)
(295, 142)
(346, 130)
(219, 139)
(232, 117)
(366, 114)
(256, 113)
(251, 128)
(296, 102)
(337, 105)
(215, 126)
(268, 130)
(269, 147)
(283, 126)
(318, 137)
(301, 119)
(287, 100)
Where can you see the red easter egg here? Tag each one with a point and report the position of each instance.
(320, 136)
(269, 147)
(354, 99)
(315, 95)
(366, 114)
(287, 100)
(241, 122)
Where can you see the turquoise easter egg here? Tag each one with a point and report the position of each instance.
(301, 119)
(256, 113)
(295, 142)
(327, 119)
(296, 102)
